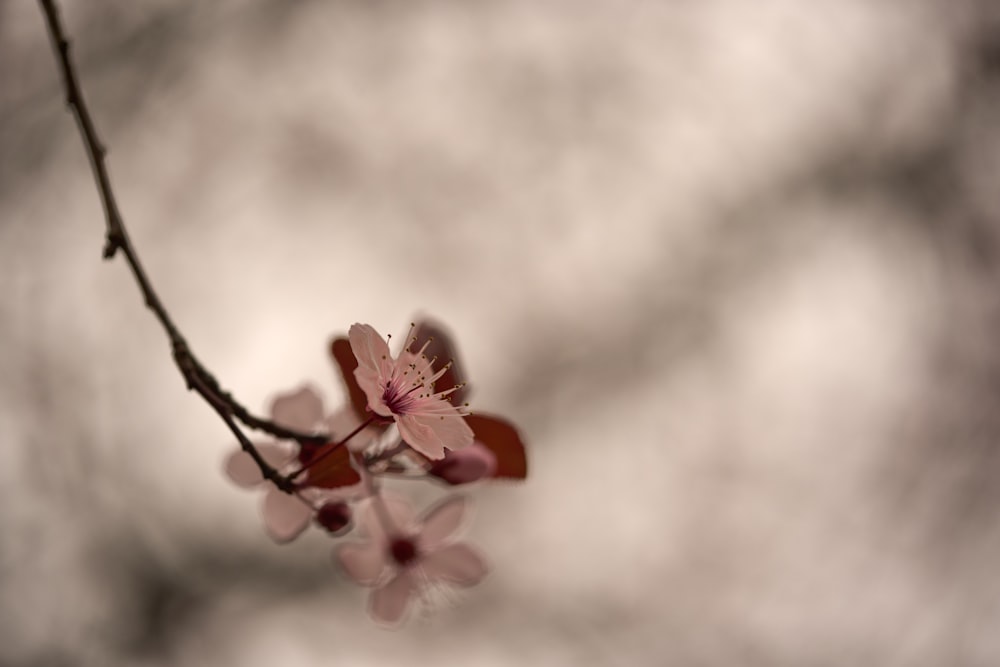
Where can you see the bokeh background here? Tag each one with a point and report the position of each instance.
(731, 265)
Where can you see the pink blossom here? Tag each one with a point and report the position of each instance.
(403, 389)
(405, 557)
(287, 515)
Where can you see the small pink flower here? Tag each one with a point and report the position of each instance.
(403, 389)
(407, 557)
(287, 515)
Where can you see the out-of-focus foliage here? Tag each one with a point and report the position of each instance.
(730, 265)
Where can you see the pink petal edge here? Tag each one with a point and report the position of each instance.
(457, 563)
(285, 516)
(300, 410)
(364, 562)
(243, 471)
(388, 604)
(441, 521)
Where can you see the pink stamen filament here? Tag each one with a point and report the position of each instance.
(398, 395)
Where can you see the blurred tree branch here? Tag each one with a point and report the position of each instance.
(196, 376)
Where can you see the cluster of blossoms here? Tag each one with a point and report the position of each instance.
(405, 418)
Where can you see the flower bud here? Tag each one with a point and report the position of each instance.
(335, 516)
(463, 466)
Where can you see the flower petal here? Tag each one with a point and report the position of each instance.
(374, 364)
(285, 515)
(370, 349)
(363, 561)
(243, 471)
(400, 514)
(437, 427)
(277, 454)
(388, 603)
(458, 563)
(441, 521)
(298, 410)
(374, 389)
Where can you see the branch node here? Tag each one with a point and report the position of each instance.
(110, 248)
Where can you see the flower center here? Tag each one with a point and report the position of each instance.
(399, 396)
(410, 386)
(403, 550)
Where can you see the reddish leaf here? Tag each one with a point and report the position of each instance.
(332, 470)
(501, 437)
(340, 350)
(441, 347)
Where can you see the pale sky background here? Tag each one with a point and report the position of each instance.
(731, 265)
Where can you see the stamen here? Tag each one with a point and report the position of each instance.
(403, 550)
(409, 337)
(420, 352)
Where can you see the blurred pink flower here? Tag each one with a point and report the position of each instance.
(406, 558)
(403, 389)
(287, 515)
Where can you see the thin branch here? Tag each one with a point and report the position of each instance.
(269, 473)
(196, 376)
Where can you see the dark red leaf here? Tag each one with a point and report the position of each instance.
(333, 469)
(501, 437)
(340, 350)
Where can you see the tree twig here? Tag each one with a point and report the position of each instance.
(196, 376)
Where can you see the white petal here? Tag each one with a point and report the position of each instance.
(388, 604)
(441, 521)
(343, 422)
(457, 563)
(363, 561)
(420, 436)
(299, 410)
(285, 515)
(370, 349)
(277, 454)
(243, 470)
(400, 515)
(431, 433)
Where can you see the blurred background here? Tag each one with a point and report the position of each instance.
(730, 265)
